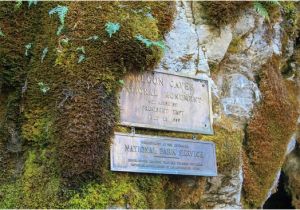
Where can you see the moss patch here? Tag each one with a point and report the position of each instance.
(10, 196)
(40, 181)
(117, 192)
(223, 13)
(74, 119)
(268, 134)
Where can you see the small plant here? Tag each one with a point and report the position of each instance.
(149, 42)
(93, 38)
(82, 54)
(261, 8)
(1, 33)
(121, 82)
(27, 48)
(43, 87)
(31, 2)
(112, 28)
(44, 53)
(61, 11)
(18, 4)
(64, 41)
(81, 49)
(81, 58)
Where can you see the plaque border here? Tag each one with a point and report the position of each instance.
(158, 171)
(208, 131)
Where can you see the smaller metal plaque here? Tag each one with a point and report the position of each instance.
(162, 155)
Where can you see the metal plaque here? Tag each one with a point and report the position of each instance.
(162, 155)
(166, 101)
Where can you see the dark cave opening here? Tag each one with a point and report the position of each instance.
(281, 199)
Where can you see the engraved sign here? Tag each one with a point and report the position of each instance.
(166, 101)
(162, 155)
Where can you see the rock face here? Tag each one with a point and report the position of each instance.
(59, 139)
(184, 53)
(236, 90)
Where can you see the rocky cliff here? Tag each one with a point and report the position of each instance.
(62, 66)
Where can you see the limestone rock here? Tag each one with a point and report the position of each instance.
(183, 53)
(240, 93)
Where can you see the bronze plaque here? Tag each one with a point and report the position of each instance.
(166, 101)
(162, 155)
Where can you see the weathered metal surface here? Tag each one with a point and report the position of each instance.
(162, 155)
(166, 101)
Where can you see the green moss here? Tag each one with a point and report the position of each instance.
(268, 134)
(40, 183)
(235, 45)
(10, 195)
(223, 13)
(118, 192)
(153, 187)
(37, 128)
(291, 17)
(228, 145)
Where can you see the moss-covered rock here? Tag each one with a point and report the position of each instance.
(268, 134)
(74, 117)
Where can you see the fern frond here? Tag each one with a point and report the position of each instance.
(18, 4)
(61, 11)
(112, 28)
(144, 40)
(275, 2)
(81, 58)
(44, 53)
(149, 42)
(31, 2)
(1, 33)
(27, 48)
(261, 10)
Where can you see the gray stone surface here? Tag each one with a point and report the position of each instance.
(193, 44)
(239, 95)
(183, 53)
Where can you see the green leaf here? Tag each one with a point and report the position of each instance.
(93, 38)
(112, 28)
(259, 7)
(44, 53)
(149, 42)
(1, 33)
(30, 2)
(64, 41)
(59, 30)
(81, 58)
(18, 4)
(142, 39)
(274, 2)
(121, 82)
(43, 87)
(81, 49)
(61, 11)
(27, 48)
